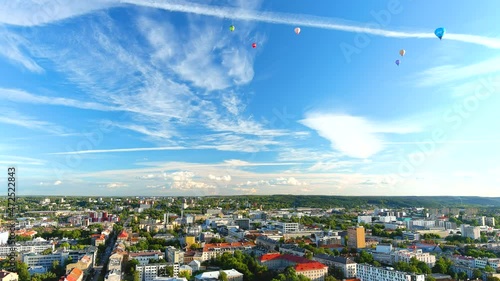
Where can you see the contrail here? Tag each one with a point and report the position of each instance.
(302, 20)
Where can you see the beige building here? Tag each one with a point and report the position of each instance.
(356, 237)
(8, 276)
(216, 249)
(83, 264)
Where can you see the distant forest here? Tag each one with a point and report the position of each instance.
(318, 201)
(298, 201)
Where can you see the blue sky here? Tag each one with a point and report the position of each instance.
(160, 98)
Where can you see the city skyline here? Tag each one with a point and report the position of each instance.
(161, 98)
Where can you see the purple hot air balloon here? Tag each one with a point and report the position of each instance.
(397, 62)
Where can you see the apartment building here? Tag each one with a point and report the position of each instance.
(266, 242)
(150, 271)
(288, 227)
(84, 264)
(26, 247)
(144, 257)
(367, 272)
(406, 256)
(113, 275)
(472, 232)
(174, 255)
(356, 237)
(215, 249)
(347, 265)
(411, 236)
(34, 259)
(293, 250)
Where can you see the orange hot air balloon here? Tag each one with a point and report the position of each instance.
(297, 30)
(402, 52)
(254, 45)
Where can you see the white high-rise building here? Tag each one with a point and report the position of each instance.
(472, 232)
(367, 272)
(406, 256)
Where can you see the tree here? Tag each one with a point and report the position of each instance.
(309, 255)
(477, 273)
(330, 278)
(489, 269)
(430, 278)
(22, 271)
(136, 276)
(223, 276)
(47, 251)
(185, 274)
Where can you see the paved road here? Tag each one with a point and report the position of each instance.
(106, 255)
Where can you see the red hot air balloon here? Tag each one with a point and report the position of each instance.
(254, 45)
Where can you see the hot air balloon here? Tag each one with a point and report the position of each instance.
(397, 62)
(440, 32)
(402, 52)
(231, 28)
(297, 30)
(254, 45)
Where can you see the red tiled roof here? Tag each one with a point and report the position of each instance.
(207, 247)
(309, 266)
(292, 258)
(123, 234)
(302, 264)
(74, 275)
(267, 257)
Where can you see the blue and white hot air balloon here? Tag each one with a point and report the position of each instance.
(440, 32)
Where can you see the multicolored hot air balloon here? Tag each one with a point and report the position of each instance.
(231, 28)
(297, 30)
(254, 45)
(440, 32)
(397, 62)
(402, 52)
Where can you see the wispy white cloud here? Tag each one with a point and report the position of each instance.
(451, 73)
(18, 160)
(18, 95)
(161, 87)
(354, 136)
(12, 117)
(32, 13)
(40, 12)
(304, 21)
(57, 182)
(11, 47)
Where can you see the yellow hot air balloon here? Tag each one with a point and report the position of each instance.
(402, 52)
(297, 30)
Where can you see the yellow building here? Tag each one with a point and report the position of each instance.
(356, 237)
(190, 240)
